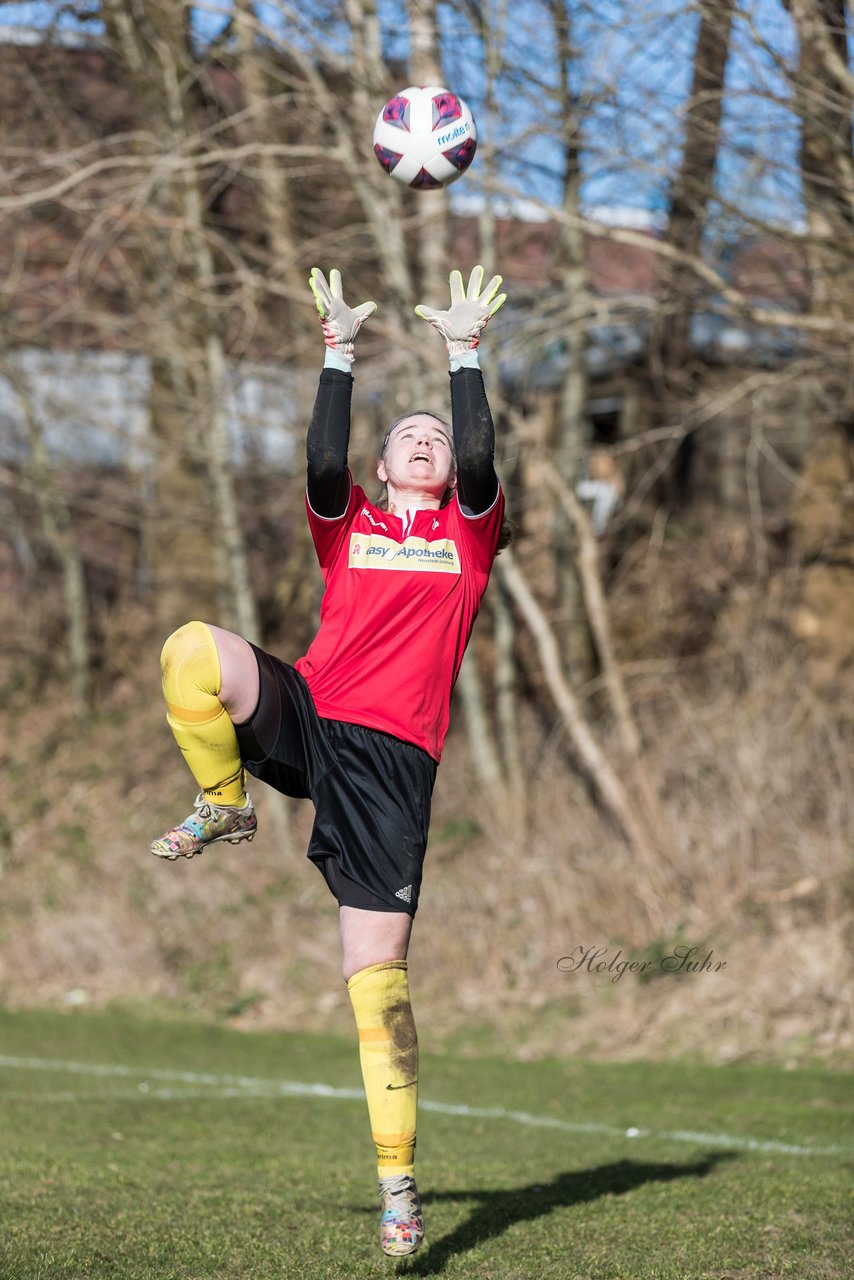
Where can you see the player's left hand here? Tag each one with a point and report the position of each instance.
(462, 324)
(339, 322)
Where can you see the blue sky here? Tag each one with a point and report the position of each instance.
(632, 75)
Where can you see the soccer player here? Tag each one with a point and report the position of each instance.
(358, 723)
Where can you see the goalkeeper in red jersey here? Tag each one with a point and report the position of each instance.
(357, 724)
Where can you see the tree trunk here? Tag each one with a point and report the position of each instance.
(596, 607)
(576, 643)
(823, 520)
(823, 97)
(506, 703)
(481, 739)
(691, 193)
(57, 532)
(613, 795)
(274, 190)
(237, 607)
(432, 228)
(381, 198)
(195, 544)
(492, 30)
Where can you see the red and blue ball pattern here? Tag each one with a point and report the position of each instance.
(425, 137)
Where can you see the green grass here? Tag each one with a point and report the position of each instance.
(154, 1177)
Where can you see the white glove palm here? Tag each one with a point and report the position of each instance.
(462, 325)
(339, 322)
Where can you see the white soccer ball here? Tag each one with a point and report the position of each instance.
(425, 137)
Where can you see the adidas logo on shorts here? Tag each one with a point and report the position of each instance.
(405, 893)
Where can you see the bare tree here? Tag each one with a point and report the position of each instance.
(572, 396)
(823, 523)
(504, 761)
(824, 89)
(671, 360)
(197, 547)
(58, 535)
(617, 801)
(266, 92)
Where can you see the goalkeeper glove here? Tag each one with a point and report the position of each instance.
(339, 322)
(462, 325)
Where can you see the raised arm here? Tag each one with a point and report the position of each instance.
(328, 480)
(474, 434)
(474, 442)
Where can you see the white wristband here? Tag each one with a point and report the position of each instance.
(333, 361)
(467, 361)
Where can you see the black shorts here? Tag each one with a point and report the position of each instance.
(371, 791)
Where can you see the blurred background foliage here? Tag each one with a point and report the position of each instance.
(652, 729)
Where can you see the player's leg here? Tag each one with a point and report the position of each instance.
(239, 677)
(372, 937)
(369, 841)
(375, 945)
(210, 681)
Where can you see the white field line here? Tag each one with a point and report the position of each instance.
(230, 1086)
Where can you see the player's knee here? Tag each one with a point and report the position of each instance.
(190, 654)
(186, 642)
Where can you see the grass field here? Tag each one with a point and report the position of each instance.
(153, 1150)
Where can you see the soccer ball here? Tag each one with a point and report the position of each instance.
(425, 137)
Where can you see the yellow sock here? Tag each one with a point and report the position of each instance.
(189, 666)
(388, 1048)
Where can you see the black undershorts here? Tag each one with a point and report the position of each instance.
(371, 791)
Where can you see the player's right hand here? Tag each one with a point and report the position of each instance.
(339, 322)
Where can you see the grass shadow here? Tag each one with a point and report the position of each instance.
(496, 1211)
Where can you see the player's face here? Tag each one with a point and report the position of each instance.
(418, 457)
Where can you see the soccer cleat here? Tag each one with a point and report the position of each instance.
(402, 1221)
(209, 823)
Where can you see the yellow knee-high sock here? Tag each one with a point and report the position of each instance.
(189, 666)
(388, 1048)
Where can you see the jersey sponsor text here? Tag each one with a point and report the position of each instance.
(373, 551)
